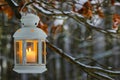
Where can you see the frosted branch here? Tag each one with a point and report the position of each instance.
(86, 68)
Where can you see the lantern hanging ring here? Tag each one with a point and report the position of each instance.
(27, 5)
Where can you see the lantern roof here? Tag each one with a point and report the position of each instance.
(30, 33)
(30, 20)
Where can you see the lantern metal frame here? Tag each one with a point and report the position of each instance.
(30, 32)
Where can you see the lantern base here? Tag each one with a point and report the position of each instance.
(30, 69)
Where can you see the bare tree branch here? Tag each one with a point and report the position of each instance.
(14, 7)
(89, 60)
(82, 66)
(57, 12)
(76, 16)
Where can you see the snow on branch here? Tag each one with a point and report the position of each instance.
(93, 71)
(76, 16)
(42, 10)
(56, 12)
(49, 11)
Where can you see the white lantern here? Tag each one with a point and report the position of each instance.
(30, 46)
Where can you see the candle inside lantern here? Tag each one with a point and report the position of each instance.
(30, 55)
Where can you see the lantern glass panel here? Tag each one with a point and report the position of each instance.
(31, 51)
(18, 46)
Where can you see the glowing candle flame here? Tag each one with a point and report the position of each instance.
(30, 55)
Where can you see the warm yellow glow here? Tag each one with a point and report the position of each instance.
(31, 51)
(19, 50)
(20, 43)
(44, 51)
(31, 55)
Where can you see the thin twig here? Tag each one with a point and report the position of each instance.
(93, 60)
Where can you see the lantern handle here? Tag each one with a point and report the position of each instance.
(30, 9)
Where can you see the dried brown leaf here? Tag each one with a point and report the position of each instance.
(56, 29)
(112, 2)
(116, 21)
(86, 10)
(8, 11)
(100, 13)
(44, 27)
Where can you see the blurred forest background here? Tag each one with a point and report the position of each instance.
(88, 46)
